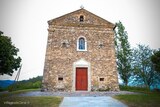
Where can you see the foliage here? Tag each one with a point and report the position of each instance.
(134, 88)
(123, 52)
(143, 67)
(156, 90)
(2, 89)
(32, 83)
(140, 100)
(155, 58)
(9, 61)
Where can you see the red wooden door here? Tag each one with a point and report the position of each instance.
(81, 79)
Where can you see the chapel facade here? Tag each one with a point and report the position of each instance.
(80, 54)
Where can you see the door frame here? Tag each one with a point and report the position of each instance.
(81, 64)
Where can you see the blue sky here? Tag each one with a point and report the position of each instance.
(25, 21)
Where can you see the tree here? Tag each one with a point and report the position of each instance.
(123, 52)
(9, 61)
(155, 58)
(144, 72)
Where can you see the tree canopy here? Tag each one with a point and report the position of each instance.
(136, 66)
(156, 60)
(9, 61)
(144, 72)
(123, 52)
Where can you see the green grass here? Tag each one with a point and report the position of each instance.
(141, 100)
(7, 94)
(145, 99)
(7, 99)
(30, 101)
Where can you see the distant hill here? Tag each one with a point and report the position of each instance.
(34, 79)
(6, 83)
(32, 83)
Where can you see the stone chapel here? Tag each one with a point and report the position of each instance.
(80, 54)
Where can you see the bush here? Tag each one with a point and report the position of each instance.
(133, 88)
(156, 90)
(2, 89)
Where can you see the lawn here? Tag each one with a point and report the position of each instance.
(151, 99)
(145, 99)
(6, 94)
(30, 101)
(7, 99)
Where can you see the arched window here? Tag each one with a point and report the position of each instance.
(81, 44)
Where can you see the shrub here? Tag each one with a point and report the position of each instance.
(156, 90)
(2, 89)
(133, 88)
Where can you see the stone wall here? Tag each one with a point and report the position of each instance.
(62, 52)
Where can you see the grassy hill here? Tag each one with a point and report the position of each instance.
(32, 83)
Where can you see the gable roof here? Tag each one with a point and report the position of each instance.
(72, 19)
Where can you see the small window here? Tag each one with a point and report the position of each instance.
(101, 79)
(64, 44)
(60, 78)
(81, 19)
(101, 45)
